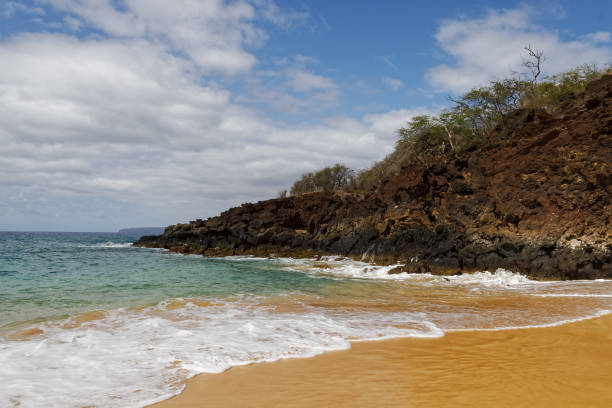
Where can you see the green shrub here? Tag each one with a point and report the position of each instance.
(368, 179)
(328, 180)
(475, 114)
(470, 118)
(546, 93)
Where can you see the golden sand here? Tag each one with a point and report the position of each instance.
(180, 303)
(86, 317)
(564, 366)
(23, 335)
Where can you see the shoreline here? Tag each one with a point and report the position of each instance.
(568, 365)
(400, 264)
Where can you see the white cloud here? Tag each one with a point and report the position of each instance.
(111, 132)
(287, 103)
(74, 24)
(13, 7)
(292, 88)
(491, 47)
(285, 18)
(213, 33)
(304, 81)
(390, 122)
(393, 84)
(598, 37)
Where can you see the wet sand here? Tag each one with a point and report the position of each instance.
(563, 366)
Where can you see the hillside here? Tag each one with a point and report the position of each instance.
(533, 197)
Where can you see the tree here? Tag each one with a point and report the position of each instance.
(482, 108)
(471, 116)
(425, 132)
(303, 185)
(534, 63)
(422, 132)
(456, 125)
(548, 91)
(328, 179)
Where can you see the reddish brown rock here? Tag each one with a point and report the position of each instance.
(535, 197)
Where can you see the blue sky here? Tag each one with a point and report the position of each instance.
(121, 113)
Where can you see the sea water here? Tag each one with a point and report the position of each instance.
(86, 319)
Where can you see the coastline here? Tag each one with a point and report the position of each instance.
(530, 197)
(399, 265)
(566, 366)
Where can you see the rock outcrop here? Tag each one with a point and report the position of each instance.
(535, 197)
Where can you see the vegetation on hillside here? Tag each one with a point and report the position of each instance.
(329, 179)
(470, 118)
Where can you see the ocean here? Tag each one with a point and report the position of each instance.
(88, 320)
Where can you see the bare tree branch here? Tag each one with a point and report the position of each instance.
(534, 64)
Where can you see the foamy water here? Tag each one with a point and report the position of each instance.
(112, 245)
(161, 318)
(133, 358)
(348, 268)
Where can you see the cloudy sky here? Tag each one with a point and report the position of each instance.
(125, 113)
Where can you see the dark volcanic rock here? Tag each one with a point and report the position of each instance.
(535, 197)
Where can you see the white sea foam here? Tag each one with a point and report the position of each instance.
(348, 268)
(115, 245)
(134, 358)
(238, 258)
(338, 267)
(500, 278)
(554, 323)
(109, 244)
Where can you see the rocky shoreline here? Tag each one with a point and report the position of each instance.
(535, 198)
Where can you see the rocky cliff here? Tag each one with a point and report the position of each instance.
(535, 197)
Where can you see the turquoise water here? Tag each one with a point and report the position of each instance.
(88, 320)
(46, 275)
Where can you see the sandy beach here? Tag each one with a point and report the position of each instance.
(563, 366)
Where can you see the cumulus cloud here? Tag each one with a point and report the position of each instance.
(389, 122)
(598, 37)
(103, 132)
(13, 7)
(304, 81)
(213, 34)
(393, 84)
(490, 47)
(293, 88)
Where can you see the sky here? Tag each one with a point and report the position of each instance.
(133, 113)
